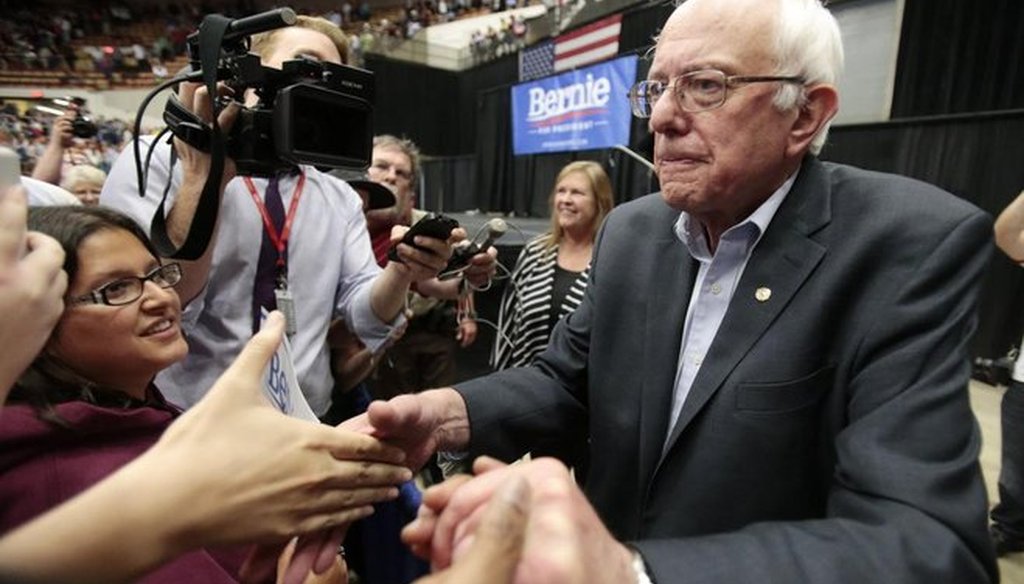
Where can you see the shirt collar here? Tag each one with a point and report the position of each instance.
(691, 233)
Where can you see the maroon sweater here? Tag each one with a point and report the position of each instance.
(43, 465)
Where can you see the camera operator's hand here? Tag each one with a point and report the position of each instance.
(195, 166)
(195, 163)
(48, 167)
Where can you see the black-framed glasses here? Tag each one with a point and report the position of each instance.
(696, 91)
(127, 290)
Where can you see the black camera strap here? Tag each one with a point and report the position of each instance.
(211, 34)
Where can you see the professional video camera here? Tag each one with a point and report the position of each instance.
(309, 112)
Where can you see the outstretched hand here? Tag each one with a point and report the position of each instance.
(420, 424)
(495, 548)
(259, 476)
(565, 541)
(32, 286)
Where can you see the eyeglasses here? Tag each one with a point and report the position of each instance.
(384, 167)
(696, 91)
(127, 290)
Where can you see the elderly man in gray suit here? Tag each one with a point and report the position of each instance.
(770, 360)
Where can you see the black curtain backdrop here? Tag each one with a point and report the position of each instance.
(960, 56)
(433, 107)
(977, 157)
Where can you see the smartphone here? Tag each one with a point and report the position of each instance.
(433, 225)
(10, 168)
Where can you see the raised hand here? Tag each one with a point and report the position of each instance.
(32, 286)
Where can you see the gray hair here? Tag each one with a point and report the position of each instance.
(807, 43)
(405, 146)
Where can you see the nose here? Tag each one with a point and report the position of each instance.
(154, 296)
(667, 117)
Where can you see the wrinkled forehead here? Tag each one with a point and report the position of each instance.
(735, 35)
(393, 155)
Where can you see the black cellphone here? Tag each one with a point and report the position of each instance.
(433, 225)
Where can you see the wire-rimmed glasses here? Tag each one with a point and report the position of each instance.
(696, 91)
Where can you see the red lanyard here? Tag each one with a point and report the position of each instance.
(280, 241)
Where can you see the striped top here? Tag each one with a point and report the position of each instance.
(523, 320)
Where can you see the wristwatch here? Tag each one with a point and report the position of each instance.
(640, 568)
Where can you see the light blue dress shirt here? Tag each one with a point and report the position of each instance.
(717, 278)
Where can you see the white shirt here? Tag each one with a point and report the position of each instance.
(44, 194)
(331, 269)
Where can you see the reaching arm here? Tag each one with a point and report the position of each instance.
(231, 470)
(1009, 230)
(420, 424)
(48, 167)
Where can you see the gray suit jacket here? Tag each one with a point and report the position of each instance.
(828, 435)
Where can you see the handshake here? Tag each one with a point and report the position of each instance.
(522, 523)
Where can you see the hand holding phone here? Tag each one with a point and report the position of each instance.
(433, 225)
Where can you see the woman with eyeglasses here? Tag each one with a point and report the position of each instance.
(87, 405)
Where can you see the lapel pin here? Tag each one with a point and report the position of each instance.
(762, 294)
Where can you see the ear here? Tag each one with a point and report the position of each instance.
(820, 107)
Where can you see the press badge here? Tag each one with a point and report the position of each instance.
(281, 385)
(286, 304)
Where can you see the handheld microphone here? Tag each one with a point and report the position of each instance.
(484, 238)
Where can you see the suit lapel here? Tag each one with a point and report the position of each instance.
(663, 331)
(783, 259)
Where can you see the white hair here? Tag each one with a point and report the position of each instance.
(808, 44)
(82, 173)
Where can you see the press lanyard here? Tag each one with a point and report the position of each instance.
(280, 240)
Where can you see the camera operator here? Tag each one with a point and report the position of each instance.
(1008, 515)
(301, 233)
(50, 164)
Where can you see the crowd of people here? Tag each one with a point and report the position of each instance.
(758, 373)
(107, 38)
(121, 42)
(34, 134)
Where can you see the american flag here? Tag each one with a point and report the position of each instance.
(595, 42)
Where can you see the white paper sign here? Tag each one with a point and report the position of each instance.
(281, 385)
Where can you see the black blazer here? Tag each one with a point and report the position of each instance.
(828, 437)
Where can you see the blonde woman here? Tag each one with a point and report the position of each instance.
(551, 273)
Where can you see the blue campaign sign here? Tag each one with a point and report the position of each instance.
(580, 110)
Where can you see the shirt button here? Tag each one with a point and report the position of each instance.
(697, 361)
(716, 289)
